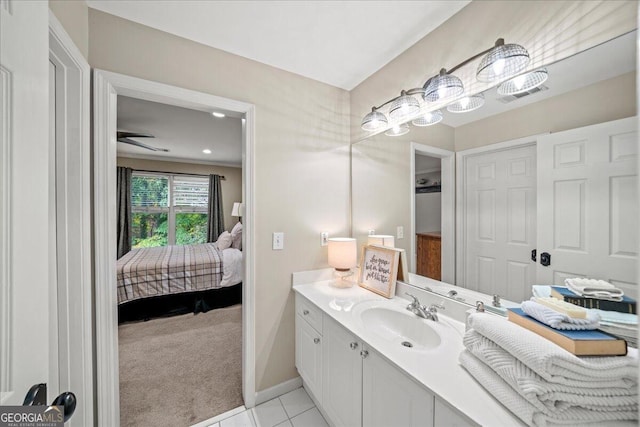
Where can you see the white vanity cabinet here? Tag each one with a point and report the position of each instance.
(391, 398)
(342, 375)
(309, 345)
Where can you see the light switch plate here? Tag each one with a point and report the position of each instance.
(278, 241)
(400, 232)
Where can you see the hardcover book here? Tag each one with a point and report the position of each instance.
(627, 305)
(580, 343)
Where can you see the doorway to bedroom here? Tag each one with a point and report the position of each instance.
(180, 268)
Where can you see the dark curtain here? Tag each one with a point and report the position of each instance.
(216, 214)
(124, 210)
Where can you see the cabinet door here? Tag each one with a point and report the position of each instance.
(446, 416)
(390, 398)
(342, 375)
(309, 356)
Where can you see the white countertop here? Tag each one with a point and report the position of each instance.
(437, 370)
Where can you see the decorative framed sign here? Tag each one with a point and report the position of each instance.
(379, 270)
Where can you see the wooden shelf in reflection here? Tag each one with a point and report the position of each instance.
(429, 255)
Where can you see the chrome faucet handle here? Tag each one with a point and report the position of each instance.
(434, 307)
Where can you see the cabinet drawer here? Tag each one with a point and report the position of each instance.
(309, 312)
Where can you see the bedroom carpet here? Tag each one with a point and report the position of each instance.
(180, 370)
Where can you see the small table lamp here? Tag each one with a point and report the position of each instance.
(342, 257)
(381, 240)
(237, 206)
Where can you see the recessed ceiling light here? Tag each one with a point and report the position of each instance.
(206, 151)
(218, 115)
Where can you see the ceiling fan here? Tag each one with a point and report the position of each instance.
(126, 138)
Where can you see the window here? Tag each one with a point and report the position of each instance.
(168, 209)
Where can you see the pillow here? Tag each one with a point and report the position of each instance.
(224, 240)
(236, 236)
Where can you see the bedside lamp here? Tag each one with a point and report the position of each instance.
(237, 206)
(342, 257)
(381, 240)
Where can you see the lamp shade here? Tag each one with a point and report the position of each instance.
(374, 121)
(523, 82)
(404, 106)
(442, 87)
(428, 119)
(236, 209)
(342, 253)
(398, 130)
(381, 240)
(466, 104)
(504, 60)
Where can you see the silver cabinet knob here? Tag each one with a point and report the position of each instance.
(364, 354)
(305, 312)
(353, 345)
(316, 340)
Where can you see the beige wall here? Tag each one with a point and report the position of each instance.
(74, 17)
(231, 185)
(550, 30)
(301, 156)
(601, 102)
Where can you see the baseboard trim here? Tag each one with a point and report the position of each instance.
(278, 390)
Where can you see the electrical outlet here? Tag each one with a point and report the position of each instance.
(278, 241)
(400, 232)
(324, 238)
(371, 232)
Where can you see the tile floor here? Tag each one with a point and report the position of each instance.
(294, 409)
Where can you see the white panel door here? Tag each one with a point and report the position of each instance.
(25, 334)
(341, 375)
(500, 221)
(588, 203)
(390, 398)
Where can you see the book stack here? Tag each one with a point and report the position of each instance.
(626, 305)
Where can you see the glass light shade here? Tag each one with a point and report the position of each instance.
(523, 82)
(404, 106)
(428, 119)
(443, 86)
(398, 130)
(381, 240)
(504, 60)
(466, 104)
(236, 209)
(374, 121)
(342, 253)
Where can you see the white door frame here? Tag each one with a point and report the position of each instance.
(72, 254)
(461, 162)
(106, 87)
(448, 221)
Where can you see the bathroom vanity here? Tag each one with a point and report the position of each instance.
(367, 361)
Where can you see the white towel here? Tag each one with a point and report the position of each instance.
(615, 317)
(541, 291)
(592, 288)
(558, 320)
(528, 413)
(547, 397)
(552, 362)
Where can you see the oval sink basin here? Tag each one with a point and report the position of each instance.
(404, 329)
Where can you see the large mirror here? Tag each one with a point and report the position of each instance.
(470, 198)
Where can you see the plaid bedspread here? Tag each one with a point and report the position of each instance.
(148, 272)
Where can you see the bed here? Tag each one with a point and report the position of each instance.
(169, 280)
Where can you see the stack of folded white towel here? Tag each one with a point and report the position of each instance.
(545, 385)
(623, 325)
(593, 288)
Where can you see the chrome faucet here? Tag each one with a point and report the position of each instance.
(420, 310)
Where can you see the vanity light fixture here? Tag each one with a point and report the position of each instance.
(404, 106)
(218, 115)
(206, 151)
(398, 130)
(466, 104)
(503, 60)
(523, 82)
(428, 119)
(442, 87)
(374, 121)
(342, 255)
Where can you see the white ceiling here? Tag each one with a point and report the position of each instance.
(184, 132)
(336, 42)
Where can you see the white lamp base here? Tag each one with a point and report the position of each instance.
(343, 278)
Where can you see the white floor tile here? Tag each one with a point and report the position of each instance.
(215, 425)
(296, 402)
(285, 424)
(269, 414)
(310, 418)
(244, 419)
